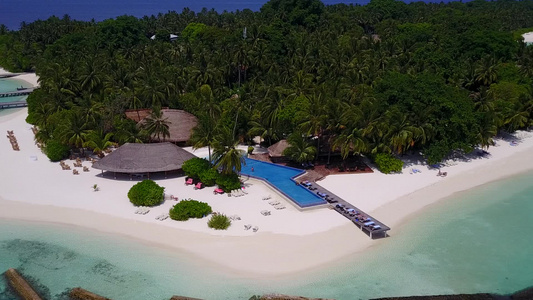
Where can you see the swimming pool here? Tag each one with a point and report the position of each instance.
(281, 178)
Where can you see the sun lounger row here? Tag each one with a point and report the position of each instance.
(64, 166)
(143, 210)
(277, 204)
(249, 226)
(238, 193)
(267, 197)
(235, 218)
(265, 212)
(162, 217)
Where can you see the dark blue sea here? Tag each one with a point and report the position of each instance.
(13, 12)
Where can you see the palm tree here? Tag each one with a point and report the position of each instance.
(314, 118)
(74, 130)
(156, 125)
(128, 132)
(226, 156)
(486, 71)
(486, 132)
(299, 150)
(204, 133)
(207, 101)
(98, 141)
(350, 140)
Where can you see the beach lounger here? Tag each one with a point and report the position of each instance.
(255, 229)
(375, 227)
(234, 218)
(162, 217)
(218, 191)
(265, 212)
(273, 202)
(322, 195)
(369, 224)
(247, 226)
(278, 207)
(267, 197)
(189, 181)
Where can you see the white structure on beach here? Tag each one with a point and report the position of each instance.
(528, 38)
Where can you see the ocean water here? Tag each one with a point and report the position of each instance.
(13, 12)
(11, 85)
(477, 241)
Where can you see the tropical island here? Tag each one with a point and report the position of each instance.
(423, 94)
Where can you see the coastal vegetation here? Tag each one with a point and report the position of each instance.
(387, 163)
(195, 166)
(56, 151)
(146, 193)
(384, 78)
(186, 209)
(219, 222)
(229, 182)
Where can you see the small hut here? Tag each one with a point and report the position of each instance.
(140, 159)
(276, 151)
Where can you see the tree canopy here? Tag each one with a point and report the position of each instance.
(387, 77)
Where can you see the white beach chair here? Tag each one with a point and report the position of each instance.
(273, 203)
(281, 206)
(255, 229)
(247, 227)
(265, 212)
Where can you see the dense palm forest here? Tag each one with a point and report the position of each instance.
(387, 77)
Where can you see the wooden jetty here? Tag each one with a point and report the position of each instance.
(81, 294)
(21, 286)
(183, 298)
(13, 104)
(23, 92)
(342, 207)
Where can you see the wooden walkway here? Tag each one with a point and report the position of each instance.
(17, 93)
(352, 213)
(13, 104)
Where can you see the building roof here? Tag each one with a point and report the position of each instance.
(181, 123)
(277, 149)
(143, 158)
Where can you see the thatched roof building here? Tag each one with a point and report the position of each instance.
(181, 123)
(144, 158)
(277, 149)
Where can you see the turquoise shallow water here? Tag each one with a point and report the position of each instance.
(478, 241)
(10, 85)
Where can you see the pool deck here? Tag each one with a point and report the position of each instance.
(331, 200)
(378, 233)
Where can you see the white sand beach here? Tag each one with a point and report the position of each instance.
(288, 241)
(30, 78)
(528, 37)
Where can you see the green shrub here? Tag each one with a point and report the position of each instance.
(229, 182)
(146, 193)
(56, 151)
(195, 166)
(250, 150)
(219, 222)
(209, 177)
(186, 209)
(387, 163)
